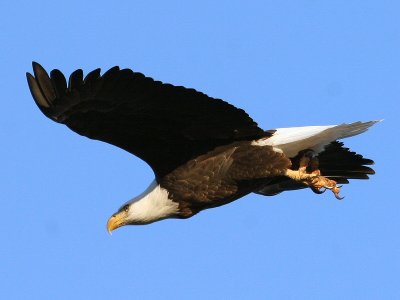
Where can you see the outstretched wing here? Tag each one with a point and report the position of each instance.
(162, 124)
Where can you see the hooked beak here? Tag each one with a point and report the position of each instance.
(115, 221)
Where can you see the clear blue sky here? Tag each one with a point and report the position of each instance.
(286, 63)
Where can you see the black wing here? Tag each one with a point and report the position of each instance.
(162, 124)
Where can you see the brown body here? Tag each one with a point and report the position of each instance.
(223, 175)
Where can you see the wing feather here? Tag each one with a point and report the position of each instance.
(59, 82)
(162, 124)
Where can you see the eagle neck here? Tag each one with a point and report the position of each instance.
(152, 205)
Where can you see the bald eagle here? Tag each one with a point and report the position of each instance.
(204, 151)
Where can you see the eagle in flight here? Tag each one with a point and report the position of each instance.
(204, 151)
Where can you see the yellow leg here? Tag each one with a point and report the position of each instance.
(314, 179)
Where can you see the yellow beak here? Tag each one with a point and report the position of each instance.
(115, 221)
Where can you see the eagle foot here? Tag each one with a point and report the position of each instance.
(309, 174)
(321, 184)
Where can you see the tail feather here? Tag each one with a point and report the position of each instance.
(295, 139)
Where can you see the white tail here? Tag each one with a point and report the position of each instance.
(292, 140)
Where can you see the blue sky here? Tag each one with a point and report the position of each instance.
(287, 63)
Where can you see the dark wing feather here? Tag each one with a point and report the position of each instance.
(162, 124)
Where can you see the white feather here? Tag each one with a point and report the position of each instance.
(292, 140)
(152, 205)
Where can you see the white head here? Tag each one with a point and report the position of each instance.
(150, 206)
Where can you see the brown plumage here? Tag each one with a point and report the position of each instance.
(223, 175)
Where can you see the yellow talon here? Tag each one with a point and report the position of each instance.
(314, 179)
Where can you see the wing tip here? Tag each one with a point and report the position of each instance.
(36, 64)
(36, 92)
